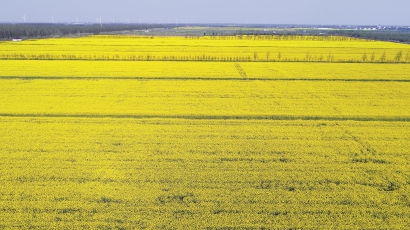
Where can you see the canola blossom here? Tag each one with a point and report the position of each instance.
(209, 48)
(203, 70)
(131, 132)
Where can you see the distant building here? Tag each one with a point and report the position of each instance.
(17, 39)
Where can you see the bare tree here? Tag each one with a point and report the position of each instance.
(330, 57)
(308, 56)
(255, 56)
(383, 57)
(398, 56)
(364, 57)
(372, 57)
(408, 56)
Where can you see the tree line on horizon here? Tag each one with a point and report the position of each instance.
(41, 30)
(38, 30)
(391, 35)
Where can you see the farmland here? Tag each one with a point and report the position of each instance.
(209, 48)
(123, 132)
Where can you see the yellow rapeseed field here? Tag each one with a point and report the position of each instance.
(209, 48)
(207, 98)
(130, 132)
(203, 70)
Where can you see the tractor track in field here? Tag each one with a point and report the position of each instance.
(241, 71)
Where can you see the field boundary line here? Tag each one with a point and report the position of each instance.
(203, 79)
(214, 117)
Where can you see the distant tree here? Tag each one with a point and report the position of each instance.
(398, 56)
(330, 57)
(372, 57)
(364, 57)
(279, 56)
(255, 56)
(308, 56)
(267, 56)
(383, 57)
(408, 56)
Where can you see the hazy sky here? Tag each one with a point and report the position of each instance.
(356, 12)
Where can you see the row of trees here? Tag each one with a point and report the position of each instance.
(383, 58)
(303, 34)
(400, 57)
(10, 31)
(386, 35)
(41, 30)
(395, 36)
(285, 37)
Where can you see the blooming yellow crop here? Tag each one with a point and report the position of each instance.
(204, 70)
(149, 173)
(205, 98)
(225, 48)
(251, 132)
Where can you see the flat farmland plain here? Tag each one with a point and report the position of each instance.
(205, 144)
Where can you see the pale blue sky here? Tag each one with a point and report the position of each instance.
(356, 12)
